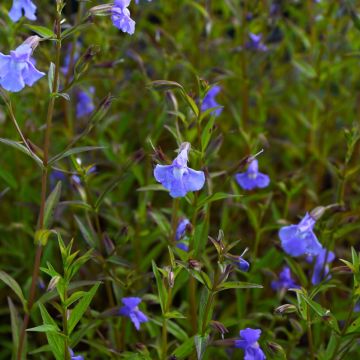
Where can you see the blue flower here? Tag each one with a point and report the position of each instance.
(181, 232)
(181, 229)
(20, 6)
(242, 264)
(249, 344)
(17, 69)
(321, 267)
(56, 176)
(85, 103)
(121, 16)
(252, 178)
(209, 101)
(182, 246)
(285, 280)
(255, 43)
(131, 310)
(300, 239)
(75, 357)
(178, 178)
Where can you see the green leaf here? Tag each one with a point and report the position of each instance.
(200, 344)
(44, 328)
(41, 30)
(165, 85)
(185, 349)
(55, 340)
(12, 283)
(206, 134)
(19, 146)
(89, 237)
(15, 327)
(305, 68)
(215, 197)
(160, 286)
(354, 326)
(51, 75)
(42, 236)
(8, 178)
(238, 285)
(50, 205)
(79, 310)
(73, 151)
(174, 315)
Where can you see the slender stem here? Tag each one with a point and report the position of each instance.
(46, 148)
(65, 328)
(309, 334)
(164, 329)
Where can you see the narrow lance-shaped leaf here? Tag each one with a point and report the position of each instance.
(50, 205)
(79, 310)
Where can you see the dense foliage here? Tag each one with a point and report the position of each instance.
(179, 179)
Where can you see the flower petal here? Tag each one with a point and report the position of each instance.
(193, 180)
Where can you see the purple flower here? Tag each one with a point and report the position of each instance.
(285, 280)
(209, 101)
(131, 310)
(75, 357)
(121, 16)
(17, 69)
(252, 178)
(255, 43)
(321, 267)
(249, 344)
(300, 239)
(20, 6)
(85, 103)
(178, 178)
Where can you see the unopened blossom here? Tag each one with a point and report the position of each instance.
(120, 16)
(321, 266)
(242, 264)
(181, 229)
(300, 239)
(20, 7)
(178, 178)
(210, 102)
(18, 70)
(249, 343)
(252, 178)
(131, 310)
(75, 357)
(255, 43)
(285, 281)
(85, 104)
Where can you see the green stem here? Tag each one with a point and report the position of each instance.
(309, 334)
(46, 148)
(164, 329)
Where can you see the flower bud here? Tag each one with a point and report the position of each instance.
(171, 279)
(285, 309)
(53, 282)
(318, 212)
(33, 41)
(101, 10)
